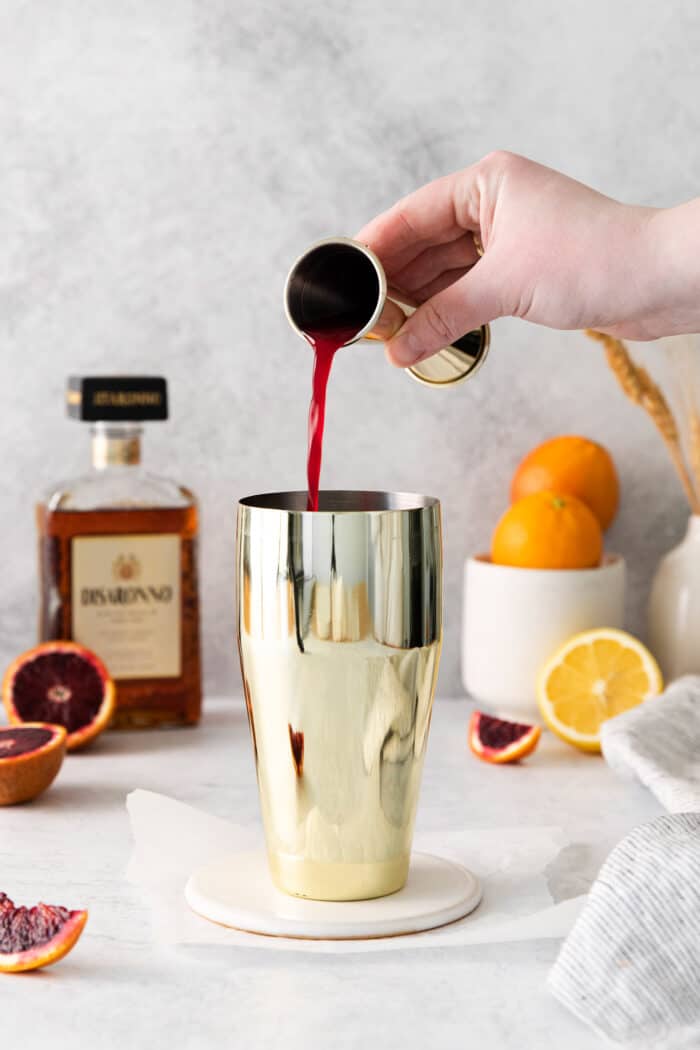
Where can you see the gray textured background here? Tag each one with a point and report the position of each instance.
(163, 161)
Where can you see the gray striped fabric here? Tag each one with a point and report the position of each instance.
(659, 744)
(630, 967)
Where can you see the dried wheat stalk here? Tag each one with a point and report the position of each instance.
(684, 376)
(680, 374)
(694, 445)
(643, 391)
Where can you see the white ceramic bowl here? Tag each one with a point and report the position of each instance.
(514, 619)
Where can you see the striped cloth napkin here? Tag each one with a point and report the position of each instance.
(659, 744)
(630, 967)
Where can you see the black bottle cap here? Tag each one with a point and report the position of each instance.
(117, 399)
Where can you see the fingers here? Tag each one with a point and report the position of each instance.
(439, 283)
(426, 246)
(465, 304)
(435, 214)
(391, 319)
(434, 261)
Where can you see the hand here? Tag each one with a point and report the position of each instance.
(555, 252)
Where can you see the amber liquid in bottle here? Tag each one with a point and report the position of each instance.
(130, 592)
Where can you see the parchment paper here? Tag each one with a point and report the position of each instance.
(171, 839)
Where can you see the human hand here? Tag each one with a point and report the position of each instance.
(555, 252)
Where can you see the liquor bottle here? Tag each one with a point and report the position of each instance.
(118, 558)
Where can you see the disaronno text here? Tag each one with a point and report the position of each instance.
(125, 595)
(103, 398)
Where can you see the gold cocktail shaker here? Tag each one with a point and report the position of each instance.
(339, 629)
(340, 284)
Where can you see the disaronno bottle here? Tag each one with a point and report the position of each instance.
(118, 558)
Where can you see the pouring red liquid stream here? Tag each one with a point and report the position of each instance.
(324, 345)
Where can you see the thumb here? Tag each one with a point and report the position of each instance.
(471, 301)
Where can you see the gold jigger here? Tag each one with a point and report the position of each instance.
(340, 284)
(339, 630)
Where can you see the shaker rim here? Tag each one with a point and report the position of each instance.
(340, 501)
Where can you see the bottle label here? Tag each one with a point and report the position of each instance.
(126, 602)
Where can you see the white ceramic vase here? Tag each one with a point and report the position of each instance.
(674, 607)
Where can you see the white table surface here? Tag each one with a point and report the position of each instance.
(117, 990)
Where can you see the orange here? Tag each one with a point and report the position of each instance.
(30, 757)
(574, 466)
(34, 937)
(497, 740)
(594, 676)
(548, 531)
(61, 683)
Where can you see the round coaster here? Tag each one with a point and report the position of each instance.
(237, 891)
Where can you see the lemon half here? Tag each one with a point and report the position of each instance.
(594, 676)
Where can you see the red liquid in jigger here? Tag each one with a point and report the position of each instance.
(324, 345)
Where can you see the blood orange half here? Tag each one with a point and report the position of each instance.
(30, 757)
(38, 936)
(61, 683)
(497, 740)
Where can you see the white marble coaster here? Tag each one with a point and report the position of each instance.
(237, 891)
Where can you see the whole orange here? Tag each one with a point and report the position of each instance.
(574, 466)
(548, 531)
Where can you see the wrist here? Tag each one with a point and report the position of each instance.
(671, 254)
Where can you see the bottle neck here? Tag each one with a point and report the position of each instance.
(115, 445)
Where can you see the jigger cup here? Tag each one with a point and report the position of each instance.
(340, 285)
(339, 630)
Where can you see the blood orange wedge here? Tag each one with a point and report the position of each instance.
(38, 936)
(64, 684)
(497, 740)
(30, 757)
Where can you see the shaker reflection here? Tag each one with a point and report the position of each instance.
(340, 627)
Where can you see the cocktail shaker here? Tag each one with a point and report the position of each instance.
(340, 284)
(339, 630)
